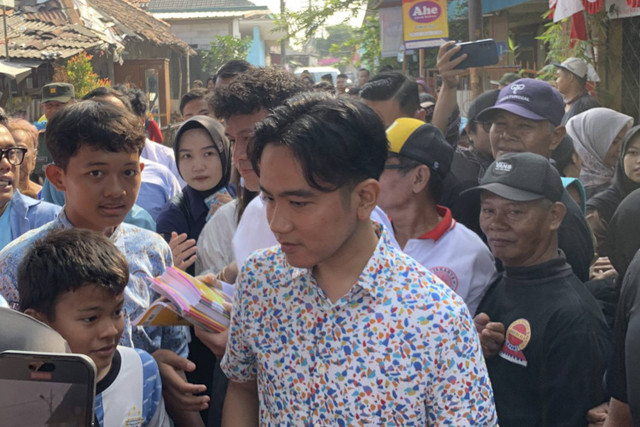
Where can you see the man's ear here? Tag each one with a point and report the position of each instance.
(422, 175)
(420, 114)
(36, 315)
(366, 193)
(55, 174)
(556, 137)
(557, 211)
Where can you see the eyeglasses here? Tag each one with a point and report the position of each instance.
(15, 155)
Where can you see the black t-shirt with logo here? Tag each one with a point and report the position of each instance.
(550, 368)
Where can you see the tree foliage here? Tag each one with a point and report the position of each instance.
(79, 72)
(223, 49)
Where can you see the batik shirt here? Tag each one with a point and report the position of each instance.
(399, 349)
(148, 255)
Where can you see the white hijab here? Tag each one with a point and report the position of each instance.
(593, 133)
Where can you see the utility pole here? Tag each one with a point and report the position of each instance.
(475, 33)
(283, 43)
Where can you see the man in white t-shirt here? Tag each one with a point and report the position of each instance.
(419, 160)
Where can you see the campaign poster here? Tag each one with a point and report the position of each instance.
(424, 23)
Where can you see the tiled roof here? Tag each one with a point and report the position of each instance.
(140, 22)
(35, 39)
(201, 5)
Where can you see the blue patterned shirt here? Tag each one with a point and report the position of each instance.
(148, 255)
(399, 349)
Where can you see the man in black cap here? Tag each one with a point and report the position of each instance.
(526, 118)
(547, 368)
(54, 97)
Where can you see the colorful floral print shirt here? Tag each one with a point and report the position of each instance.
(399, 349)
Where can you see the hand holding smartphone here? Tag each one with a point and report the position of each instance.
(479, 54)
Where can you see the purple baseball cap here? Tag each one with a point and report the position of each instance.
(529, 98)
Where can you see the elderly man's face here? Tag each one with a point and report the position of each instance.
(510, 133)
(518, 233)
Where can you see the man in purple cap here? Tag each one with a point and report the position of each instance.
(526, 118)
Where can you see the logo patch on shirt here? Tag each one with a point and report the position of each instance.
(134, 417)
(447, 276)
(518, 336)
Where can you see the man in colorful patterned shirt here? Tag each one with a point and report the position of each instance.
(335, 326)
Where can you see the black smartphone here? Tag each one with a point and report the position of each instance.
(46, 389)
(479, 53)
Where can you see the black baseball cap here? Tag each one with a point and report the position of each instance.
(483, 101)
(522, 177)
(422, 142)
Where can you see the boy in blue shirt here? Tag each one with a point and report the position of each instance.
(96, 150)
(74, 280)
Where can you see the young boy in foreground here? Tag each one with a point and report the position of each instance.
(74, 281)
(96, 151)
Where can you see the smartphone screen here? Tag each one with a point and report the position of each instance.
(31, 403)
(46, 390)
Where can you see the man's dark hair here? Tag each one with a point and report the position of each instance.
(65, 261)
(364, 69)
(105, 91)
(97, 124)
(396, 86)
(342, 76)
(324, 86)
(338, 141)
(192, 95)
(255, 89)
(232, 68)
(136, 97)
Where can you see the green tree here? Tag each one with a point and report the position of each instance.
(337, 35)
(223, 49)
(79, 72)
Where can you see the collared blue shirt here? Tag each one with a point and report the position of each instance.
(148, 256)
(5, 226)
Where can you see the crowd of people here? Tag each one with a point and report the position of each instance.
(390, 265)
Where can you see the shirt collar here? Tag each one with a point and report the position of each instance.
(443, 226)
(63, 222)
(381, 261)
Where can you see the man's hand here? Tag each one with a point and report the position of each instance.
(491, 335)
(446, 65)
(179, 395)
(183, 250)
(216, 342)
(598, 415)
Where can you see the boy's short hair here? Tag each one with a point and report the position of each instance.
(255, 89)
(192, 95)
(232, 68)
(393, 85)
(338, 141)
(65, 261)
(136, 97)
(342, 76)
(97, 124)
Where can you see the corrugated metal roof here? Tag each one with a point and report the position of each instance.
(200, 5)
(197, 15)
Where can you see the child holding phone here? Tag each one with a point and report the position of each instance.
(74, 280)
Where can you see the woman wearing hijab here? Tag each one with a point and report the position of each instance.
(623, 242)
(626, 179)
(596, 135)
(203, 157)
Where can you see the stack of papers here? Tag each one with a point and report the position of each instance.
(186, 300)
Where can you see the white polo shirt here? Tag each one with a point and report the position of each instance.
(457, 256)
